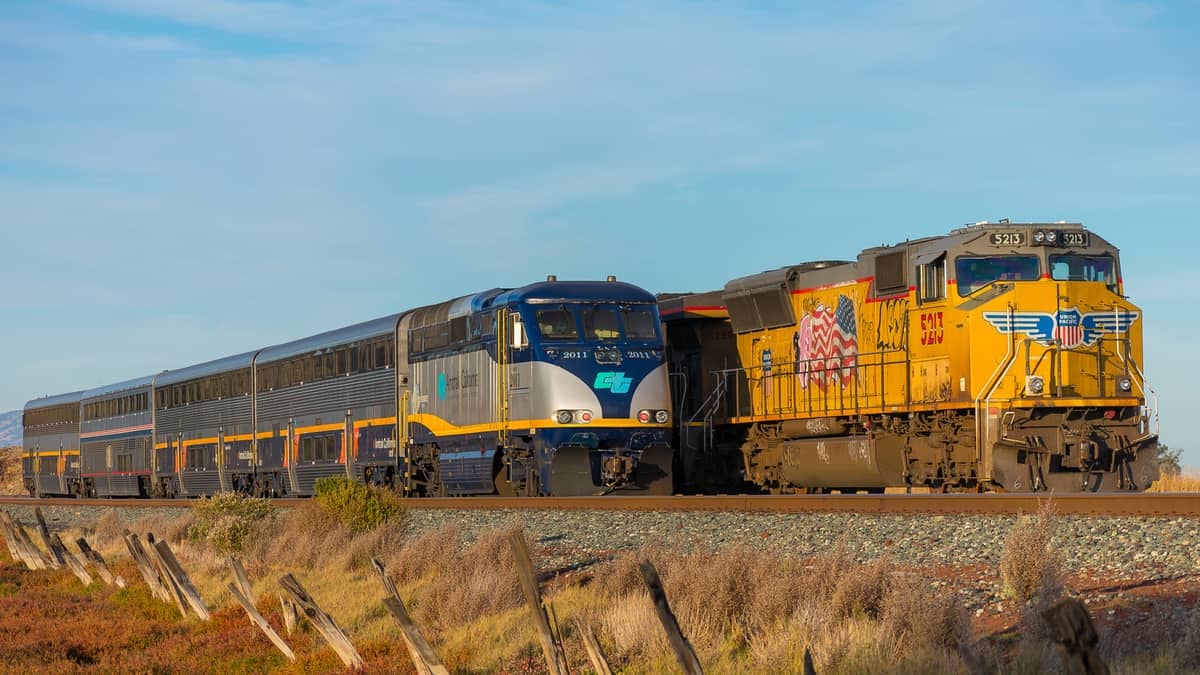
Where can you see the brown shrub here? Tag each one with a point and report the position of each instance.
(912, 618)
(164, 528)
(862, 589)
(107, 532)
(479, 581)
(730, 595)
(429, 551)
(1189, 645)
(1029, 567)
(304, 536)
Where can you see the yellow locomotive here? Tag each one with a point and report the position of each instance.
(998, 356)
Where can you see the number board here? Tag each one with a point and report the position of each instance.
(1074, 238)
(1008, 239)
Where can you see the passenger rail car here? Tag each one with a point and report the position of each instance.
(50, 463)
(116, 432)
(203, 429)
(999, 356)
(553, 388)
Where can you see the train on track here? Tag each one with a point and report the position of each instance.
(557, 387)
(1000, 356)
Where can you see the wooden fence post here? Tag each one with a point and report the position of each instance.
(239, 577)
(20, 545)
(97, 561)
(423, 657)
(290, 617)
(595, 654)
(556, 662)
(77, 564)
(6, 528)
(322, 621)
(36, 556)
(150, 573)
(683, 649)
(181, 579)
(44, 532)
(1073, 633)
(257, 618)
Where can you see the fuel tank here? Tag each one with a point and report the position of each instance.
(860, 461)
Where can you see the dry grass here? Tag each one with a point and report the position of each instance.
(1182, 482)
(746, 610)
(743, 610)
(11, 482)
(1029, 566)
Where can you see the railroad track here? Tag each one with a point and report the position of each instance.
(1140, 504)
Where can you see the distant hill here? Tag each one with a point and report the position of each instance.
(10, 428)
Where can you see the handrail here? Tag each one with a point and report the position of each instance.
(821, 393)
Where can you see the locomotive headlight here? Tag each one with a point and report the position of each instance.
(1051, 237)
(1124, 384)
(644, 416)
(1035, 385)
(662, 416)
(564, 416)
(1039, 237)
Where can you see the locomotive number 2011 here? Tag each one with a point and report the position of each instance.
(932, 329)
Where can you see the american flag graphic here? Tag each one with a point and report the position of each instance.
(827, 345)
(1068, 330)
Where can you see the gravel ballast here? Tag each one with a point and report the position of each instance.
(1146, 547)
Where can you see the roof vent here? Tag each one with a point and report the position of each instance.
(611, 278)
(551, 277)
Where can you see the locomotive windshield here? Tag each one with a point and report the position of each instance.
(597, 323)
(557, 324)
(973, 273)
(1082, 268)
(600, 323)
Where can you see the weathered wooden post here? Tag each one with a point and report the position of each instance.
(556, 662)
(1073, 633)
(77, 565)
(97, 561)
(595, 654)
(36, 556)
(257, 618)
(181, 580)
(150, 574)
(324, 623)
(290, 614)
(44, 532)
(683, 649)
(423, 657)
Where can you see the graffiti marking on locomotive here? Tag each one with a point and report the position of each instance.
(889, 328)
(827, 345)
(617, 383)
(1068, 327)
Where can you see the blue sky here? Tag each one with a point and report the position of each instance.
(189, 179)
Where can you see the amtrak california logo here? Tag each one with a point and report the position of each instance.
(1069, 327)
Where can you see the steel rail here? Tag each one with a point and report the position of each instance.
(1125, 505)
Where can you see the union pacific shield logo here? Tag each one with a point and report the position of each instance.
(1068, 327)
